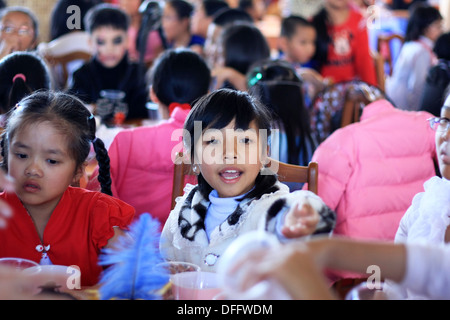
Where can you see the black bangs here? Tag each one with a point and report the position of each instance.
(217, 109)
(224, 108)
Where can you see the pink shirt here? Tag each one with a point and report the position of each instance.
(370, 171)
(142, 165)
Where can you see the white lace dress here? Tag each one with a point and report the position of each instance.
(426, 221)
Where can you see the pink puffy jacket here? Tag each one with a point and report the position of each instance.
(142, 166)
(370, 171)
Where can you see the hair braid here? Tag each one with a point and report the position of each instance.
(101, 154)
(102, 157)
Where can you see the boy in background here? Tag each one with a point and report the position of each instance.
(110, 68)
(298, 45)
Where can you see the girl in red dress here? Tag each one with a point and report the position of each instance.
(343, 51)
(45, 145)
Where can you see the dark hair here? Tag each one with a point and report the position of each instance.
(289, 25)
(213, 6)
(245, 4)
(21, 73)
(180, 75)
(243, 44)
(422, 16)
(215, 111)
(26, 11)
(59, 15)
(106, 15)
(231, 15)
(183, 8)
(442, 46)
(276, 84)
(402, 4)
(69, 116)
(320, 22)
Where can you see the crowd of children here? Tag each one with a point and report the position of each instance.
(221, 91)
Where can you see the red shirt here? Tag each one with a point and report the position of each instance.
(349, 55)
(78, 228)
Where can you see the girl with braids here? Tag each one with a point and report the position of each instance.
(342, 48)
(226, 140)
(44, 147)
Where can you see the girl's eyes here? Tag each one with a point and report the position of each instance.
(246, 140)
(21, 155)
(24, 156)
(52, 161)
(212, 141)
(100, 42)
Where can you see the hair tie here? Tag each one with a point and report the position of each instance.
(254, 80)
(94, 140)
(21, 76)
(184, 106)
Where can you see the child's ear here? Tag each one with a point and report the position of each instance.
(153, 96)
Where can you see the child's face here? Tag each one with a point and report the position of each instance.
(131, 7)
(39, 161)
(230, 159)
(443, 147)
(172, 25)
(337, 4)
(200, 21)
(434, 30)
(110, 45)
(301, 46)
(17, 31)
(258, 9)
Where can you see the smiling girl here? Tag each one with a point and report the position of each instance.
(235, 193)
(44, 147)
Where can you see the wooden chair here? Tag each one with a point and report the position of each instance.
(339, 105)
(378, 61)
(64, 60)
(384, 47)
(286, 173)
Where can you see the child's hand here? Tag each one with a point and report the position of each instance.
(300, 222)
(7, 185)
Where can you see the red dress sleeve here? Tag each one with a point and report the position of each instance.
(108, 212)
(364, 63)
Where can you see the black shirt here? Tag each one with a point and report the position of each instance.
(93, 77)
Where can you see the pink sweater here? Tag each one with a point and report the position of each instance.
(142, 166)
(370, 171)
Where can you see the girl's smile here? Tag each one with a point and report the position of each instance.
(230, 175)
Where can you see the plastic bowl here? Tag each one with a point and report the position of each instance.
(18, 263)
